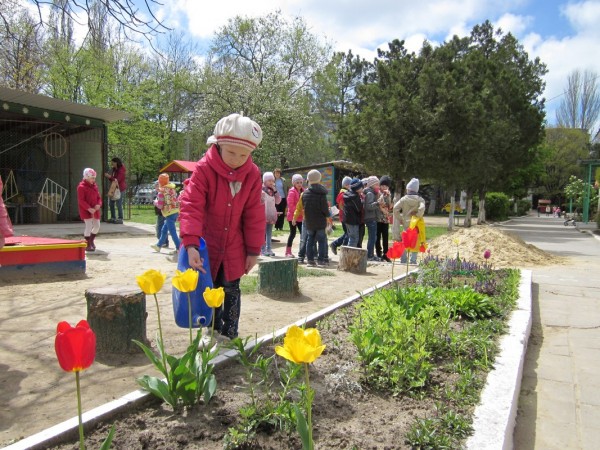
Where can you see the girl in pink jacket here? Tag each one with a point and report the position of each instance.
(222, 204)
(292, 200)
(6, 229)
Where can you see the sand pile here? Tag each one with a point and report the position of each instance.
(508, 250)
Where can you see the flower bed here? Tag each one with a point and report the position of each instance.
(402, 368)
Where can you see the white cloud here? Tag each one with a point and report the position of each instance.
(584, 16)
(513, 23)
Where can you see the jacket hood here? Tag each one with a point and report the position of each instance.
(318, 189)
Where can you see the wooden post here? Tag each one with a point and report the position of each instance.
(278, 276)
(117, 315)
(353, 259)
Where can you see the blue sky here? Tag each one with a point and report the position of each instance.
(565, 35)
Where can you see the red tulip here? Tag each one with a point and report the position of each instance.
(395, 251)
(409, 237)
(487, 254)
(75, 347)
(422, 248)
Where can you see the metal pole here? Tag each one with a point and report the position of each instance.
(586, 198)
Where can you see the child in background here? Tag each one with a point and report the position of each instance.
(222, 204)
(167, 202)
(371, 205)
(270, 198)
(316, 212)
(160, 219)
(386, 205)
(6, 229)
(89, 203)
(409, 205)
(343, 239)
(292, 201)
(353, 211)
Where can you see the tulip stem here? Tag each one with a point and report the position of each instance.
(190, 315)
(212, 330)
(162, 342)
(311, 445)
(81, 441)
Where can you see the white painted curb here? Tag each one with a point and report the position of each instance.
(495, 416)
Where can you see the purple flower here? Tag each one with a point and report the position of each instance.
(487, 254)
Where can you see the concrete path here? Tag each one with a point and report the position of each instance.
(559, 405)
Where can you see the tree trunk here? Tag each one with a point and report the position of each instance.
(278, 277)
(469, 208)
(481, 216)
(353, 259)
(117, 315)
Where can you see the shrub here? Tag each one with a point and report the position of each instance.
(523, 207)
(496, 205)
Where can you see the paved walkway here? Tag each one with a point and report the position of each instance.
(559, 405)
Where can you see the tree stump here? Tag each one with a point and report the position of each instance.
(117, 315)
(353, 259)
(278, 276)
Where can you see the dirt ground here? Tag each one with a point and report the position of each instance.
(36, 394)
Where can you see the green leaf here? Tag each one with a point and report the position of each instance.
(210, 388)
(158, 388)
(152, 357)
(302, 428)
(108, 441)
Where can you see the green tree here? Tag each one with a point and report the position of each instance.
(562, 148)
(266, 68)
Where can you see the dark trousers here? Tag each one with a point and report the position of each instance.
(383, 230)
(361, 234)
(292, 235)
(343, 239)
(280, 213)
(227, 316)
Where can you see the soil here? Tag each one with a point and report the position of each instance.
(36, 394)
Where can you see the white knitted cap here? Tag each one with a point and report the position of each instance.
(237, 130)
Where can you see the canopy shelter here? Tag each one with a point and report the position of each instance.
(179, 166)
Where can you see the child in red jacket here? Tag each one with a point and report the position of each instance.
(222, 204)
(89, 203)
(6, 229)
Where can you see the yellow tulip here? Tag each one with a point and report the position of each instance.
(151, 281)
(214, 297)
(301, 346)
(186, 281)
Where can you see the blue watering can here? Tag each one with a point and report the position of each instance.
(201, 312)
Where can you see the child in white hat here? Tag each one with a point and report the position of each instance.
(270, 198)
(411, 204)
(222, 204)
(89, 203)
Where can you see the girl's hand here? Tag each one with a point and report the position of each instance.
(250, 263)
(194, 259)
(91, 210)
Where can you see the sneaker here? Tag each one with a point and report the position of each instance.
(271, 253)
(300, 260)
(264, 254)
(112, 220)
(322, 263)
(206, 343)
(165, 245)
(311, 264)
(118, 221)
(155, 247)
(386, 259)
(374, 259)
(333, 248)
(221, 339)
